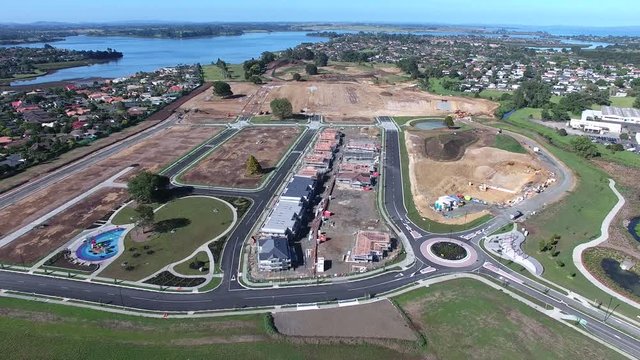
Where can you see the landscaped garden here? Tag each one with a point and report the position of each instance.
(448, 250)
(178, 228)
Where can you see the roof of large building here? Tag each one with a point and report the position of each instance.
(283, 217)
(621, 112)
(299, 187)
(274, 247)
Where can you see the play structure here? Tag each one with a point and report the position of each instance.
(101, 246)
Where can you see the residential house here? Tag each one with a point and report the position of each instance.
(274, 254)
(370, 246)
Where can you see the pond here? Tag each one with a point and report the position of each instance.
(626, 279)
(428, 124)
(634, 229)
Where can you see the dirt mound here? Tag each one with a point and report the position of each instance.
(449, 147)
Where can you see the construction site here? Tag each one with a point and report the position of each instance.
(458, 175)
(325, 221)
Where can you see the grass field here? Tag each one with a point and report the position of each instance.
(494, 95)
(413, 213)
(184, 269)
(125, 215)
(625, 102)
(195, 224)
(507, 143)
(31, 330)
(214, 73)
(466, 319)
(577, 218)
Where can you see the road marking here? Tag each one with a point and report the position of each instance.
(285, 295)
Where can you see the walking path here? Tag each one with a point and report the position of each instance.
(30, 226)
(604, 235)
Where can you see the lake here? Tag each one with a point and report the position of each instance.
(144, 54)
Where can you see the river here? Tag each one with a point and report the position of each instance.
(145, 54)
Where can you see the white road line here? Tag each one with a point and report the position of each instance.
(289, 295)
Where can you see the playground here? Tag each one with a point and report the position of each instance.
(180, 227)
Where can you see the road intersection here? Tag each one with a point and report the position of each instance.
(233, 294)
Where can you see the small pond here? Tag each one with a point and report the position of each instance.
(626, 279)
(632, 228)
(428, 124)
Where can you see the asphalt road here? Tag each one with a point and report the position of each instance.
(232, 295)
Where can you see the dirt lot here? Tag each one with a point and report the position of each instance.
(225, 166)
(173, 142)
(61, 228)
(449, 163)
(209, 109)
(627, 183)
(362, 100)
(375, 320)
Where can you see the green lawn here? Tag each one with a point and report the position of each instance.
(413, 213)
(200, 225)
(214, 73)
(466, 319)
(128, 214)
(507, 143)
(32, 330)
(576, 218)
(625, 102)
(184, 269)
(435, 86)
(494, 95)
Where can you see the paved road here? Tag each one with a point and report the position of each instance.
(232, 295)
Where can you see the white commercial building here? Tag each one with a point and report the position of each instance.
(608, 120)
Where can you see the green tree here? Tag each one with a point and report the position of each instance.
(636, 103)
(532, 94)
(562, 132)
(311, 69)
(448, 121)
(297, 77)
(321, 59)
(624, 136)
(221, 88)
(584, 147)
(146, 187)
(255, 79)
(253, 166)
(281, 108)
(545, 115)
(145, 216)
(615, 147)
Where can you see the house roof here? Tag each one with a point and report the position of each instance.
(283, 217)
(299, 187)
(274, 247)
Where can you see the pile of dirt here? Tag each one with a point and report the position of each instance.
(450, 146)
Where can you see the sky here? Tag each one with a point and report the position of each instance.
(588, 13)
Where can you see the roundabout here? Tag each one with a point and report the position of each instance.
(449, 252)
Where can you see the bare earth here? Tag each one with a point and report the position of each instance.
(153, 153)
(375, 320)
(361, 100)
(209, 109)
(479, 164)
(61, 228)
(225, 166)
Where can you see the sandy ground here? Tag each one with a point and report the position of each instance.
(358, 100)
(61, 228)
(479, 164)
(627, 183)
(375, 320)
(225, 166)
(207, 108)
(153, 153)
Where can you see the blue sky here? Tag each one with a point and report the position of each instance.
(586, 13)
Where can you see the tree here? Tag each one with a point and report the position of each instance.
(584, 147)
(562, 132)
(145, 216)
(221, 88)
(321, 59)
(532, 94)
(255, 79)
(615, 147)
(636, 103)
(311, 69)
(448, 121)
(624, 136)
(545, 115)
(253, 166)
(145, 187)
(619, 82)
(281, 108)
(297, 77)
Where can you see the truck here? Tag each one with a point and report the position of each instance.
(516, 215)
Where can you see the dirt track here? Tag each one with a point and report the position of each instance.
(375, 320)
(61, 228)
(152, 153)
(225, 166)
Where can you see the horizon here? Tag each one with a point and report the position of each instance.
(544, 13)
